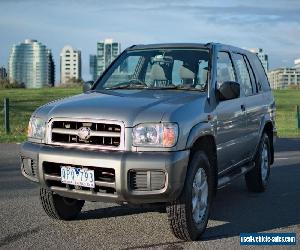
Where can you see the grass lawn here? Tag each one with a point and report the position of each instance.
(286, 101)
(24, 101)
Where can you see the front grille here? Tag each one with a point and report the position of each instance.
(138, 180)
(147, 180)
(85, 133)
(104, 178)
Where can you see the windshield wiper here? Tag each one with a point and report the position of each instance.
(134, 83)
(128, 86)
(179, 87)
(141, 85)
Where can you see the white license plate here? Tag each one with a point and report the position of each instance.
(77, 176)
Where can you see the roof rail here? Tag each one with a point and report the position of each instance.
(132, 46)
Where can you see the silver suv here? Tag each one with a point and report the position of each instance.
(164, 123)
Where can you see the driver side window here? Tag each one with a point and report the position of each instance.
(225, 71)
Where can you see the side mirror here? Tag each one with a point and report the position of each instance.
(87, 86)
(229, 90)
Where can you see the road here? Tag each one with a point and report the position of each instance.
(24, 225)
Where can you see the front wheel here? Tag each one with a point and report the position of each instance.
(188, 215)
(258, 177)
(59, 207)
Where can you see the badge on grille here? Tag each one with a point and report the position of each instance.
(84, 133)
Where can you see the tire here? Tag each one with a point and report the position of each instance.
(180, 212)
(258, 177)
(59, 207)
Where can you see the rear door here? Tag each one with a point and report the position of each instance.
(254, 101)
(231, 118)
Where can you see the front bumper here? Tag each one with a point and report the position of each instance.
(173, 164)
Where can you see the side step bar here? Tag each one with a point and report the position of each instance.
(228, 177)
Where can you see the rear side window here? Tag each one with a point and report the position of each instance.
(252, 76)
(225, 71)
(243, 74)
(262, 79)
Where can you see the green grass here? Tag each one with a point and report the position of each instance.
(286, 101)
(24, 101)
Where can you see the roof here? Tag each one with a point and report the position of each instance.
(188, 45)
(168, 45)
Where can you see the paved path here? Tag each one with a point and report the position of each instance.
(24, 225)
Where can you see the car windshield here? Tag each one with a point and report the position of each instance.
(185, 69)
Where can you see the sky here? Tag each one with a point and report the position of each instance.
(273, 25)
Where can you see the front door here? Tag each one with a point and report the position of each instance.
(231, 119)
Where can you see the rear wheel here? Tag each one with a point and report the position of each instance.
(257, 178)
(59, 207)
(188, 215)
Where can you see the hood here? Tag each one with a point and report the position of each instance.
(129, 106)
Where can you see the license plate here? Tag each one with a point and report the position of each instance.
(77, 176)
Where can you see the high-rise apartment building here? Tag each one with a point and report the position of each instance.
(93, 67)
(107, 51)
(70, 64)
(297, 64)
(31, 63)
(262, 57)
(3, 73)
(283, 78)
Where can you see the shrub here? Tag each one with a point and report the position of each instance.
(5, 84)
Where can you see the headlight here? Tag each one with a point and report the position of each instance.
(155, 134)
(36, 128)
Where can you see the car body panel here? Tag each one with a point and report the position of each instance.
(236, 126)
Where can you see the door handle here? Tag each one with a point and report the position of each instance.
(243, 107)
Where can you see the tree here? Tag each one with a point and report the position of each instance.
(6, 84)
(73, 82)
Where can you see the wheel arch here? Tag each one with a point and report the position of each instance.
(268, 129)
(202, 138)
(267, 126)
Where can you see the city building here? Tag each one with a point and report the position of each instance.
(262, 57)
(297, 64)
(3, 73)
(107, 51)
(31, 63)
(93, 67)
(70, 64)
(283, 78)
